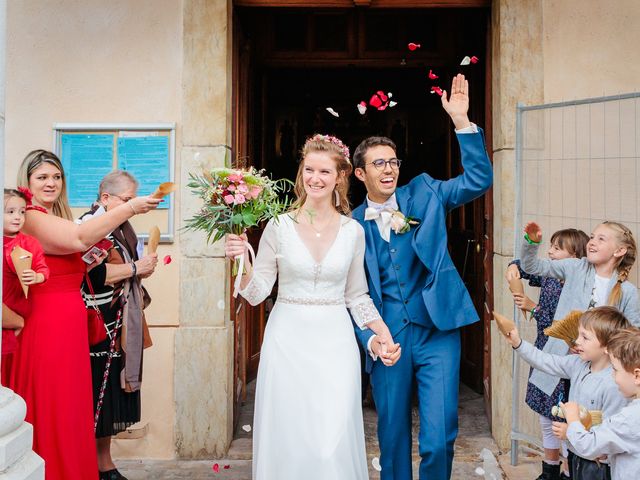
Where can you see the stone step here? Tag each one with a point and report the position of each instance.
(15, 445)
(29, 467)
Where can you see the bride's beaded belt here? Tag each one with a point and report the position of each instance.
(311, 301)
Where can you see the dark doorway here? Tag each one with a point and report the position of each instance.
(293, 64)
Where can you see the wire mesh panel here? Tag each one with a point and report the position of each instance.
(577, 164)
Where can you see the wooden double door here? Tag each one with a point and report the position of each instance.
(286, 75)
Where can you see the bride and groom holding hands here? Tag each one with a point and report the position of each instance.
(384, 271)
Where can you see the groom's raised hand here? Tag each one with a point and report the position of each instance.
(457, 103)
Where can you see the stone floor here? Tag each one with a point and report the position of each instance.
(474, 436)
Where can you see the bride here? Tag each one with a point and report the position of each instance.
(308, 414)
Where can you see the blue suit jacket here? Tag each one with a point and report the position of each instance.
(430, 200)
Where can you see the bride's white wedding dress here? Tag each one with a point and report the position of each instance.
(308, 415)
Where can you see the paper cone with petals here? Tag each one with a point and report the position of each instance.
(505, 325)
(516, 286)
(586, 417)
(566, 328)
(164, 189)
(21, 259)
(154, 240)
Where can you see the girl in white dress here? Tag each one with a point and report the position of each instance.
(308, 415)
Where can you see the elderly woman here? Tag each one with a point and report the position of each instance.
(51, 369)
(117, 291)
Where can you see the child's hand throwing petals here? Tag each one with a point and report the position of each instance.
(533, 230)
(560, 429)
(513, 337)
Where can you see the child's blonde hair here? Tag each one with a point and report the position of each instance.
(625, 239)
(625, 346)
(604, 322)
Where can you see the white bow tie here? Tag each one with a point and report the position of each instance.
(383, 220)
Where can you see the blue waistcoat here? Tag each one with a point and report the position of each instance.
(402, 277)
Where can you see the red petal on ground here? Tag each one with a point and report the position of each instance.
(167, 259)
(216, 467)
(227, 467)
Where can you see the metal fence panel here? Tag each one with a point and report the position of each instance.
(577, 165)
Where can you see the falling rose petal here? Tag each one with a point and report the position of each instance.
(392, 104)
(474, 59)
(167, 259)
(216, 467)
(333, 112)
(375, 100)
(413, 46)
(465, 61)
(432, 76)
(389, 94)
(362, 107)
(437, 90)
(246, 428)
(227, 467)
(375, 463)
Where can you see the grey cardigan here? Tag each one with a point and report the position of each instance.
(579, 279)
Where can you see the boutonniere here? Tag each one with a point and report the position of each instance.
(400, 223)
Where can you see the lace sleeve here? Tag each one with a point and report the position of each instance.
(265, 269)
(356, 293)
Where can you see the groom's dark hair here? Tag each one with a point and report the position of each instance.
(366, 144)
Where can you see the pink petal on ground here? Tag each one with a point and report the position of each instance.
(167, 259)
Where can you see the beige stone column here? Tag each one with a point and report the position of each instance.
(517, 72)
(204, 341)
(17, 460)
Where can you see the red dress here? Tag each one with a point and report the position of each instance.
(52, 372)
(13, 295)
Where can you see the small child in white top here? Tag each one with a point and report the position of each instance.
(619, 435)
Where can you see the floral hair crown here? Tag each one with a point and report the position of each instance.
(335, 140)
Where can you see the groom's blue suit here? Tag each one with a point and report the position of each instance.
(415, 285)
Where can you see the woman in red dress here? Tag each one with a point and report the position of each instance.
(51, 368)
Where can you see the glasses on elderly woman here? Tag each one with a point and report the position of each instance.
(124, 199)
(381, 164)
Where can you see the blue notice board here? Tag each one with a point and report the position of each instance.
(147, 159)
(86, 158)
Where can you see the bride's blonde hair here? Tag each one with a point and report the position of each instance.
(339, 152)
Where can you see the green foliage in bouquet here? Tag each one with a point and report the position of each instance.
(235, 200)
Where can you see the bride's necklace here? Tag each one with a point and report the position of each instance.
(317, 231)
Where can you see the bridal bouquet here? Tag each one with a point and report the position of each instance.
(235, 200)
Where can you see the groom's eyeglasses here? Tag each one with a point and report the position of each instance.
(381, 164)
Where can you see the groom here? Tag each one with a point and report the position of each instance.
(414, 284)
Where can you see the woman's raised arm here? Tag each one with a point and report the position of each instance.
(59, 236)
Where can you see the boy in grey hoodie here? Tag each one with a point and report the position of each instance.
(591, 376)
(619, 436)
